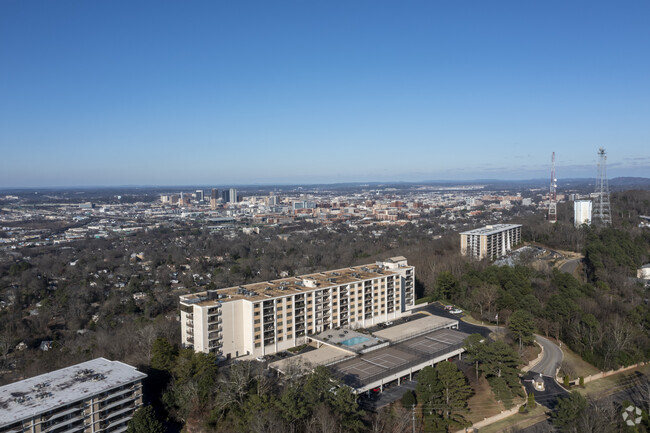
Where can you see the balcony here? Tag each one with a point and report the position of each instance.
(214, 344)
(190, 340)
(189, 323)
(215, 336)
(214, 312)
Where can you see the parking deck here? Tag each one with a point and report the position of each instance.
(402, 359)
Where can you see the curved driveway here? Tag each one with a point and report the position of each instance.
(552, 359)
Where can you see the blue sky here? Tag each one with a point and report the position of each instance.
(216, 92)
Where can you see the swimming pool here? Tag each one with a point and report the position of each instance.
(354, 341)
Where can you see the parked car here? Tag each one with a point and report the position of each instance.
(449, 307)
(456, 311)
(388, 323)
(260, 359)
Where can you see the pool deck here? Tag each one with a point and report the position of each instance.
(336, 338)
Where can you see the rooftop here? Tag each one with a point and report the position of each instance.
(292, 285)
(39, 394)
(491, 229)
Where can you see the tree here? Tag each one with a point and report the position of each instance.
(443, 392)
(408, 399)
(521, 324)
(500, 360)
(446, 286)
(568, 410)
(144, 421)
(163, 355)
(531, 401)
(455, 391)
(474, 347)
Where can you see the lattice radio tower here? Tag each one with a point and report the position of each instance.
(601, 211)
(552, 195)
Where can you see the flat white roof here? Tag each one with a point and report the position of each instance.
(492, 229)
(39, 394)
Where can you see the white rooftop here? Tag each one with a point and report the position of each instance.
(491, 229)
(39, 394)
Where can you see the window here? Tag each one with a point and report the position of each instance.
(258, 344)
(257, 321)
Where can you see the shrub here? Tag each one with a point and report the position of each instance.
(531, 400)
(567, 382)
(408, 399)
(582, 381)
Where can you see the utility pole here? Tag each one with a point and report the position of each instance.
(413, 418)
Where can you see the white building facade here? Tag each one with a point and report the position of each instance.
(268, 317)
(491, 241)
(582, 212)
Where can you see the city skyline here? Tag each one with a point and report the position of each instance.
(294, 93)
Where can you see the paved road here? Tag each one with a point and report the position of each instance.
(468, 328)
(551, 360)
(570, 266)
(552, 391)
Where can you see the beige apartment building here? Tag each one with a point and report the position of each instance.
(97, 396)
(491, 241)
(264, 318)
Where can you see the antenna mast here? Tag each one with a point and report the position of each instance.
(601, 211)
(552, 195)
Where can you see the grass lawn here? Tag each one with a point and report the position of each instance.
(469, 319)
(611, 384)
(483, 403)
(577, 366)
(517, 420)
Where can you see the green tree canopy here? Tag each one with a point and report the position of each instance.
(522, 325)
(144, 421)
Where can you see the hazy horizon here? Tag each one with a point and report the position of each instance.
(143, 93)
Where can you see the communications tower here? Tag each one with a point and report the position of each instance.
(601, 210)
(552, 195)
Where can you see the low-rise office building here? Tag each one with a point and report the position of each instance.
(97, 396)
(264, 318)
(491, 241)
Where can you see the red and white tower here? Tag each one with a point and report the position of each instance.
(552, 195)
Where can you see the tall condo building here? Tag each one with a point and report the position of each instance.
(199, 194)
(214, 197)
(232, 196)
(97, 396)
(491, 241)
(272, 316)
(582, 212)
